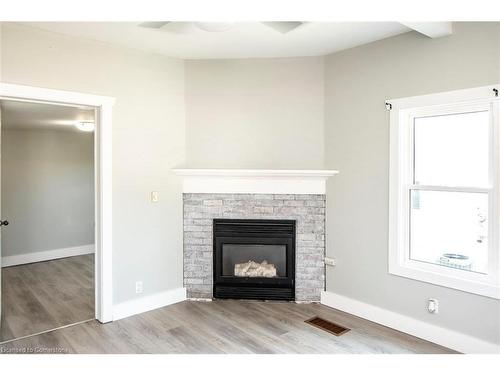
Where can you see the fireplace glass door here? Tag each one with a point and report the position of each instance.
(251, 260)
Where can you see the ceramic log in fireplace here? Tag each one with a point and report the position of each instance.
(254, 259)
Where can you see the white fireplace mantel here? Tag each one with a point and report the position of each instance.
(255, 181)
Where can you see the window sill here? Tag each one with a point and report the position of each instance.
(445, 280)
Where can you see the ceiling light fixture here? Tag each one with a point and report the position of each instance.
(214, 26)
(85, 126)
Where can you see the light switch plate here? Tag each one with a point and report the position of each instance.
(154, 197)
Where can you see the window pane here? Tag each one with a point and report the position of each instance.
(450, 229)
(452, 150)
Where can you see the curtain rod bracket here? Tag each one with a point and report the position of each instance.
(388, 106)
(495, 91)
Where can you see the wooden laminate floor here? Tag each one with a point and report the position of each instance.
(225, 327)
(41, 296)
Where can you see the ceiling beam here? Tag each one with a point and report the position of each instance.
(431, 29)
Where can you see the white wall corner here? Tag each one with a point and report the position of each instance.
(147, 303)
(431, 29)
(42, 256)
(430, 332)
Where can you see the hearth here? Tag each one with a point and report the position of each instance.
(254, 259)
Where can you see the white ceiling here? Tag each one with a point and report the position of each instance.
(17, 115)
(243, 40)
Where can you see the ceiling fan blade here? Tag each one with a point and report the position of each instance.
(283, 26)
(153, 24)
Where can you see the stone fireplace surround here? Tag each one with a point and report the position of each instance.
(253, 194)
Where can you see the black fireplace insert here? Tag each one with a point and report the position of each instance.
(254, 259)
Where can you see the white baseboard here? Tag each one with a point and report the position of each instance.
(41, 256)
(430, 332)
(147, 303)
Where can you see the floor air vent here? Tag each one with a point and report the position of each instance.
(327, 326)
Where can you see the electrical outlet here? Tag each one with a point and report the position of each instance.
(138, 287)
(154, 197)
(329, 261)
(433, 306)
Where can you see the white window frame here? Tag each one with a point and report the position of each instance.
(402, 113)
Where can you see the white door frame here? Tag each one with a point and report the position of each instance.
(103, 180)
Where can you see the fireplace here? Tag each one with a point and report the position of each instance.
(254, 259)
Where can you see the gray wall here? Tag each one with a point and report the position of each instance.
(255, 113)
(358, 81)
(148, 141)
(47, 190)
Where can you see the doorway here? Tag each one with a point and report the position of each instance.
(94, 262)
(48, 206)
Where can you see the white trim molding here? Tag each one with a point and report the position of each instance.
(442, 336)
(401, 185)
(41, 256)
(40, 94)
(147, 303)
(254, 181)
(456, 96)
(103, 179)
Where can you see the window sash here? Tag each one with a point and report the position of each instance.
(450, 110)
(434, 267)
(457, 189)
